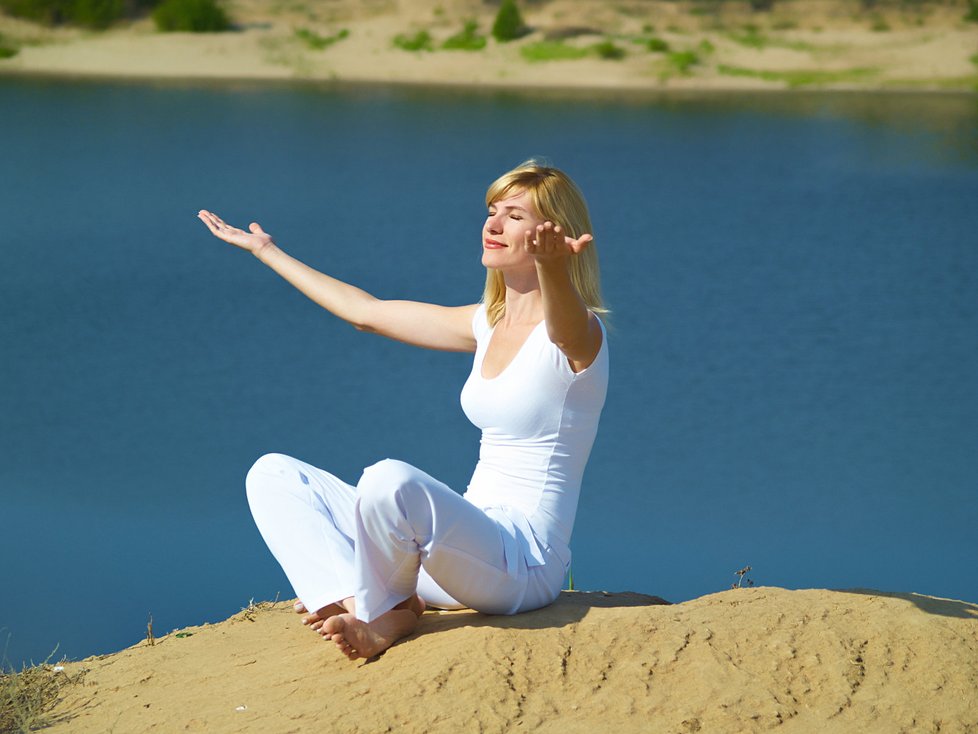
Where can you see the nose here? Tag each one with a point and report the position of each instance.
(494, 224)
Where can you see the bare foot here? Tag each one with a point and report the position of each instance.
(358, 639)
(315, 619)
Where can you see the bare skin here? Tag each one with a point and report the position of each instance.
(314, 620)
(358, 639)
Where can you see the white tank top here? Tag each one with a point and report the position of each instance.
(538, 420)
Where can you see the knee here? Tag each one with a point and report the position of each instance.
(263, 473)
(382, 478)
(385, 481)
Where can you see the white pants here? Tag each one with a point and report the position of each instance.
(397, 533)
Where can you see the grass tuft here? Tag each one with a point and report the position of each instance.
(552, 51)
(27, 696)
(751, 37)
(801, 77)
(420, 41)
(468, 39)
(317, 42)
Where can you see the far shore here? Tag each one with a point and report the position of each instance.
(655, 48)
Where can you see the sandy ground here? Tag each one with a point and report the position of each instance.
(808, 43)
(743, 660)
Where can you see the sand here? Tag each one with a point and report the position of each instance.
(743, 660)
(826, 44)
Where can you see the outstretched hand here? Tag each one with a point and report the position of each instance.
(548, 241)
(254, 241)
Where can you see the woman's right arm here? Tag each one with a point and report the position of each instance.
(421, 324)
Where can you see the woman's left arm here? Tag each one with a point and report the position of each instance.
(570, 325)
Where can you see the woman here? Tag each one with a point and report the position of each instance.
(366, 560)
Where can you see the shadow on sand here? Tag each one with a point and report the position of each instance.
(569, 608)
(929, 604)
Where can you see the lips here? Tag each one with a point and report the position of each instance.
(493, 244)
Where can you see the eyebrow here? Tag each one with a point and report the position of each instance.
(494, 205)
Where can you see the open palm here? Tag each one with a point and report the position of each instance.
(253, 241)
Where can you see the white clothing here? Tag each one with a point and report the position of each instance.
(538, 419)
(501, 549)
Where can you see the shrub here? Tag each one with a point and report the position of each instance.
(198, 16)
(314, 41)
(41, 11)
(96, 13)
(420, 41)
(90, 13)
(509, 23)
(657, 45)
(683, 60)
(7, 48)
(607, 49)
(972, 14)
(468, 39)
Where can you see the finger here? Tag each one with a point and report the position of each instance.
(256, 228)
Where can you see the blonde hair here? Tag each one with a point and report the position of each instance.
(556, 198)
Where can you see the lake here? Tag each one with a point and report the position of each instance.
(794, 285)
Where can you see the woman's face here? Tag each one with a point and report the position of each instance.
(503, 233)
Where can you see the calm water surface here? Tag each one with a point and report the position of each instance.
(795, 344)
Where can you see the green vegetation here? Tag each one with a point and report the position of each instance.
(170, 15)
(751, 37)
(87, 13)
(420, 41)
(657, 45)
(7, 49)
(25, 697)
(509, 23)
(682, 61)
(552, 51)
(317, 42)
(972, 15)
(879, 24)
(705, 47)
(468, 39)
(607, 49)
(197, 16)
(801, 77)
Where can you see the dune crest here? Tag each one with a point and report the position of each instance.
(740, 660)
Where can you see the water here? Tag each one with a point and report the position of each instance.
(795, 362)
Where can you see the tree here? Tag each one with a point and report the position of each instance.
(509, 22)
(199, 16)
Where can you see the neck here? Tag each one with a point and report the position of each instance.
(524, 301)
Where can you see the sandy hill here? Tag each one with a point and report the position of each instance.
(637, 45)
(742, 660)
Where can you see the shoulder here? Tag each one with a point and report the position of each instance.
(479, 320)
